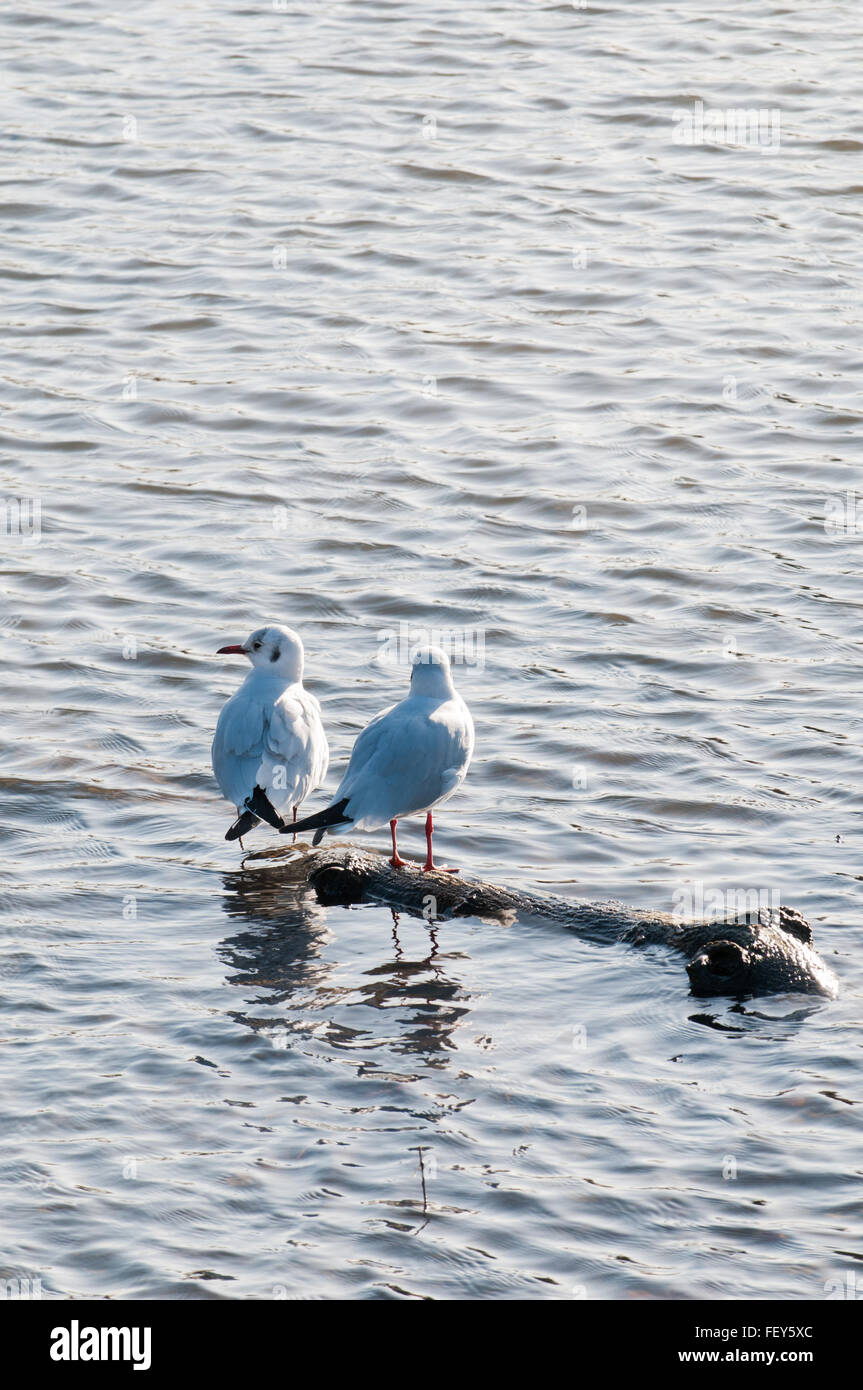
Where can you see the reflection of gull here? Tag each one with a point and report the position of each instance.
(433, 1005)
(276, 958)
(281, 951)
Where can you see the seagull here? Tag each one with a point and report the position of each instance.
(270, 749)
(411, 757)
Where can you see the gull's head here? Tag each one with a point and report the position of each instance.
(275, 649)
(431, 673)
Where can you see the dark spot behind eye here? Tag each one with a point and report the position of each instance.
(276, 654)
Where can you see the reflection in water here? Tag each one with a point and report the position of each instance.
(436, 1004)
(280, 959)
(746, 1012)
(286, 954)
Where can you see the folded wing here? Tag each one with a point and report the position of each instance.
(295, 753)
(409, 758)
(281, 748)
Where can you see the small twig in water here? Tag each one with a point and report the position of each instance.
(423, 1180)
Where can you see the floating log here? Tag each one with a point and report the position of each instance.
(755, 953)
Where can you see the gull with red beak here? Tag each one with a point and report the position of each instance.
(411, 757)
(270, 749)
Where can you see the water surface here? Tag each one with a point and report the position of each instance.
(367, 314)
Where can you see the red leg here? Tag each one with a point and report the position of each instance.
(396, 862)
(430, 866)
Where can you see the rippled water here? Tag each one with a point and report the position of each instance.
(366, 314)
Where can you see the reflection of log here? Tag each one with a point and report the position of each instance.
(752, 954)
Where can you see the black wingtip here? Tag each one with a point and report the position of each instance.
(261, 806)
(324, 820)
(242, 826)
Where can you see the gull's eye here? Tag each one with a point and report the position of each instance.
(257, 646)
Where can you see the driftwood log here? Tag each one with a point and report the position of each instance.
(754, 953)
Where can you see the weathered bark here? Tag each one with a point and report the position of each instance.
(754, 954)
(343, 873)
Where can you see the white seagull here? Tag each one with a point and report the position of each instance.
(270, 749)
(411, 757)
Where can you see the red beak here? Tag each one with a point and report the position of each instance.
(231, 651)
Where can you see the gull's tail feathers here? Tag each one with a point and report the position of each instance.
(325, 820)
(261, 806)
(242, 826)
